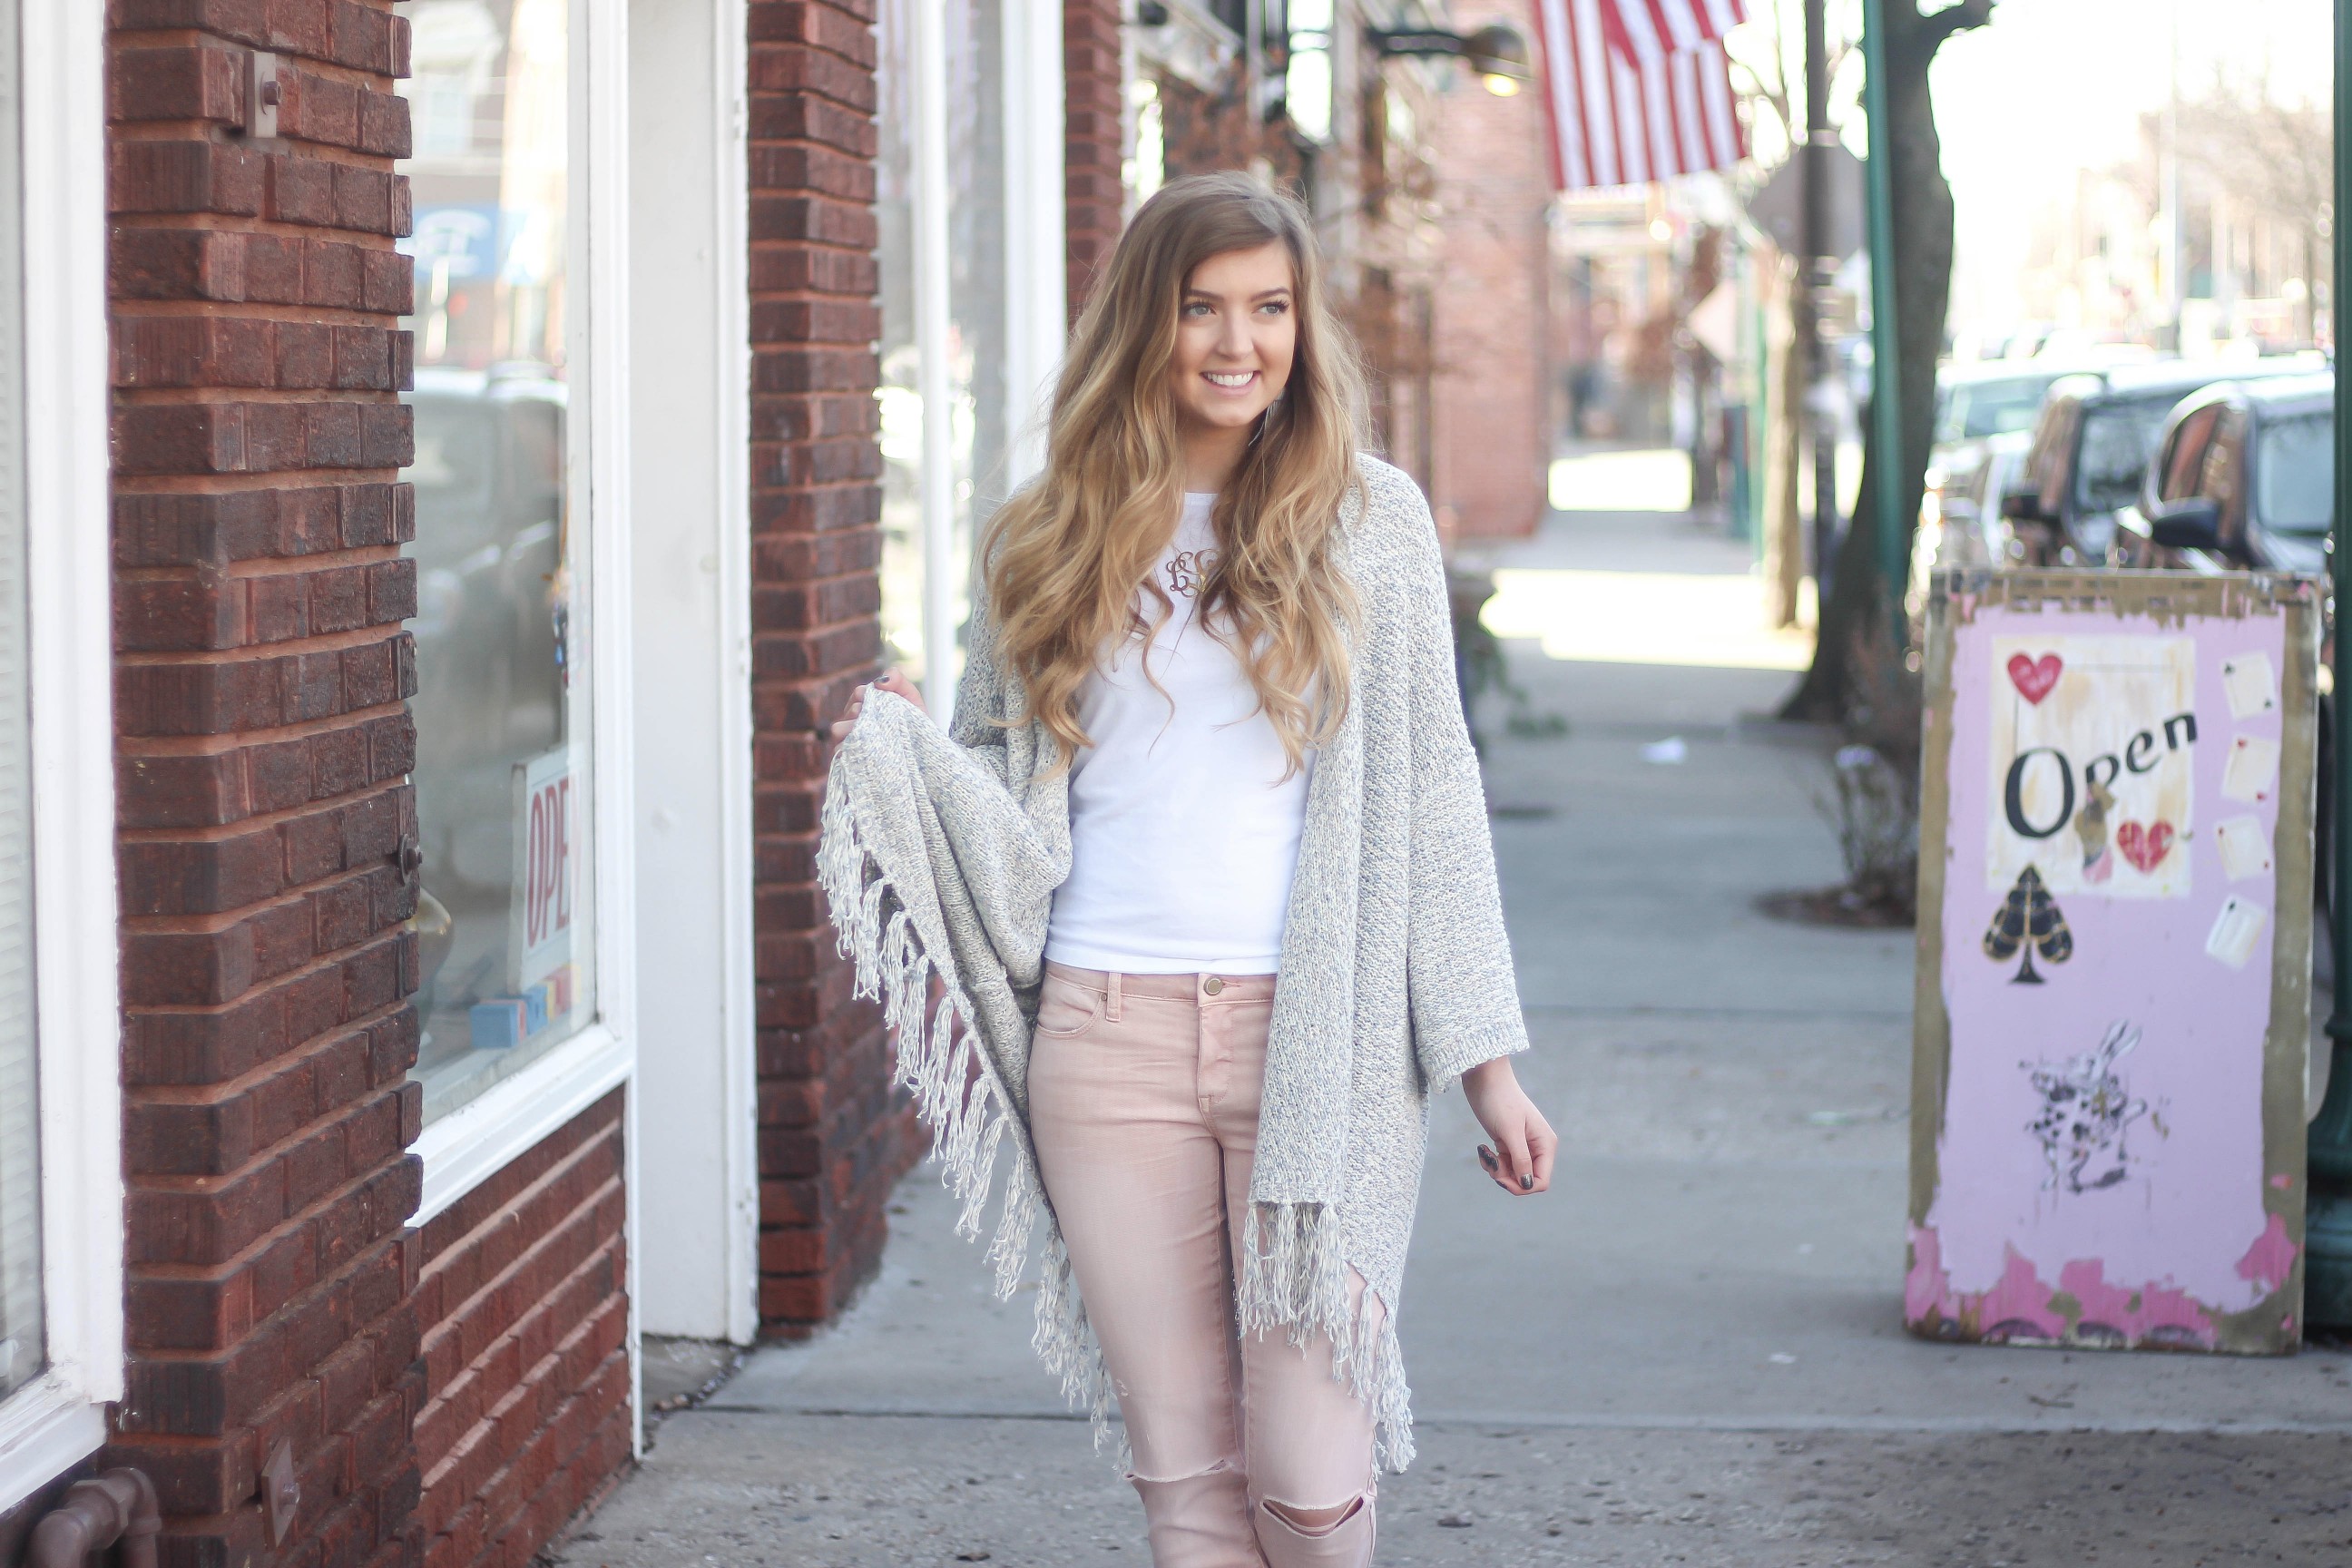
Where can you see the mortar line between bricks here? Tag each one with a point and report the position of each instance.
(1521, 1421)
(229, 393)
(136, 307)
(244, 481)
(195, 131)
(199, 221)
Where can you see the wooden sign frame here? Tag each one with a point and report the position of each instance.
(2117, 776)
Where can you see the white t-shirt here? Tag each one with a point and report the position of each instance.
(1183, 832)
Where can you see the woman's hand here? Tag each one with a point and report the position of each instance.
(895, 682)
(1521, 1159)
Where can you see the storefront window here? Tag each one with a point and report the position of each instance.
(984, 415)
(504, 792)
(22, 1348)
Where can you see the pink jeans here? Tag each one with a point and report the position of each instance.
(1143, 1098)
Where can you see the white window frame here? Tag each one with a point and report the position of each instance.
(59, 1417)
(489, 1132)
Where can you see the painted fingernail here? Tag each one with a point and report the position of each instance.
(1527, 1184)
(1486, 1157)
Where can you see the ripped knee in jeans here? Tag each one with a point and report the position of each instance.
(1312, 1521)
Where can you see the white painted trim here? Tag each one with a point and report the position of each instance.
(46, 1429)
(505, 1121)
(601, 145)
(731, 234)
(1036, 267)
(55, 1420)
(691, 580)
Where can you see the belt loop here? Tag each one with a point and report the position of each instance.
(1110, 999)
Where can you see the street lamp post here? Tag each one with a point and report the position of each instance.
(2327, 1258)
(1495, 54)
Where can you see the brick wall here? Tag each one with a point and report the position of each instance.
(833, 1136)
(522, 1297)
(1205, 132)
(1491, 400)
(1094, 116)
(259, 674)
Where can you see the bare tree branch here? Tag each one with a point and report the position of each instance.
(1925, 33)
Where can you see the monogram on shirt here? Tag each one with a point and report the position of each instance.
(1188, 568)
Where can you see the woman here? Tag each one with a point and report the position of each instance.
(1204, 879)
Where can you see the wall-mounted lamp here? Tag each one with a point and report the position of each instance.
(1497, 53)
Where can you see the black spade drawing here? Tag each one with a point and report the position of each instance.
(2028, 920)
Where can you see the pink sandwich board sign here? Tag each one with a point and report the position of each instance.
(2113, 998)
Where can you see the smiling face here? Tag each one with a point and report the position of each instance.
(1236, 332)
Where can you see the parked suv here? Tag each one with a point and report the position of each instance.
(2092, 446)
(2244, 478)
(1982, 403)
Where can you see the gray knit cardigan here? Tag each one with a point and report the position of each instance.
(940, 857)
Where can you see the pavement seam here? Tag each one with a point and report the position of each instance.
(1931, 1426)
(1573, 1010)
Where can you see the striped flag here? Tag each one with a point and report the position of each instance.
(1637, 90)
(1686, 23)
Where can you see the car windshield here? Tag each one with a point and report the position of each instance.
(2294, 474)
(2118, 439)
(1970, 411)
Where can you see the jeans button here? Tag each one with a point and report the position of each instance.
(1211, 985)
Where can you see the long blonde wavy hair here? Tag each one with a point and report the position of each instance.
(1067, 554)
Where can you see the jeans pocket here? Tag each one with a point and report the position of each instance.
(1064, 1010)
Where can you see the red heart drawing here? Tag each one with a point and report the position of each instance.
(2144, 848)
(2035, 676)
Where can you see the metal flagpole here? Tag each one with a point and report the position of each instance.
(1885, 341)
(2328, 1277)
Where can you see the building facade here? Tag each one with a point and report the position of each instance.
(455, 458)
(445, 494)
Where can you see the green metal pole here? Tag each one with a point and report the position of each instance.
(1886, 340)
(2327, 1273)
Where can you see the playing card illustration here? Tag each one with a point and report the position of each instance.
(2029, 920)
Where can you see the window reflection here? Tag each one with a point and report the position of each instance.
(982, 417)
(23, 1349)
(502, 785)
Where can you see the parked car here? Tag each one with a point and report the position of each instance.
(2092, 446)
(1975, 404)
(2243, 477)
(1966, 528)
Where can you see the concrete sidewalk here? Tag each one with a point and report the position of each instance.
(1689, 1352)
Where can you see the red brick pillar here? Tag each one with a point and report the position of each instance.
(833, 1136)
(1094, 120)
(1491, 394)
(259, 677)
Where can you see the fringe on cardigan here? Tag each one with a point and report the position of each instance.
(1294, 1274)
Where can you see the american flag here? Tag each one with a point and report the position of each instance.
(1638, 90)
